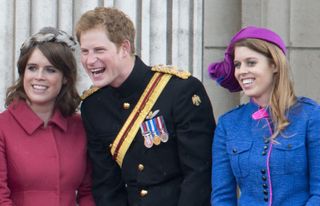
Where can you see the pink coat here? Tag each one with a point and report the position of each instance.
(42, 166)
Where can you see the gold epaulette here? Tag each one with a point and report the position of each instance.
(88, 92)
(169, 69)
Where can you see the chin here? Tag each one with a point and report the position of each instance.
(100, 84)
(249, 94)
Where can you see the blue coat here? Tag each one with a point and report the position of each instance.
(285, 173)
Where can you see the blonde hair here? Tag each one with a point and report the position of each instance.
(282, 94)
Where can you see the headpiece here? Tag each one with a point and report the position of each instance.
(223, 72)
(49, 34)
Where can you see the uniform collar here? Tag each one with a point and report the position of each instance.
(258, 112)
(29, 120)
(136, 81)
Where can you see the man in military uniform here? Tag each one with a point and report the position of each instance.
(149, 129)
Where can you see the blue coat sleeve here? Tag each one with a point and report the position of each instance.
(313, 148)
(224, 187)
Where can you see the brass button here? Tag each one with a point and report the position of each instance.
(143, 193)
(140, 167)
(126, 105)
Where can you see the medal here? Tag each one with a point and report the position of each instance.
(156, 140)
(155, 132)
(147, 141)
(153, 127)
(164, 136)
(147, 135)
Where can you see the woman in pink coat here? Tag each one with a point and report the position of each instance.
(43, 158)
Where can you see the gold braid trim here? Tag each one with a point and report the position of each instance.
(173, 70)
(88, 92)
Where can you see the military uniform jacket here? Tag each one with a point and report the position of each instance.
(174, 173)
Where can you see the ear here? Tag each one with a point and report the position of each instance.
(274, 68)
(126, 47)
(64, 80)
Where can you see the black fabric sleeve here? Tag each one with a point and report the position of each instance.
(195, 124)
(107, 185)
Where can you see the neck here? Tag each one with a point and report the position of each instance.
(262, 104)
(262, 101)
(127, 68)
(44, 112)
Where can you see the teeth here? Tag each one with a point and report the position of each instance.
(39, 87)
(247, 81)
(97, 70)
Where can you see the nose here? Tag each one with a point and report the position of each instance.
(40, 74)
(91, 58)
(243, 69)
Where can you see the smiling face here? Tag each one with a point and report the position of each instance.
(42, 82)
(254, 73)
(102, 59)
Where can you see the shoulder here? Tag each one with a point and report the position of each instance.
(75, 117)
(75, 128)
(240, 113)
(173, 70)
(182, 83)
(5, 117)
(86, 93)
(307, 101)
(236, 111)
(232, 122)
(75, 120)
(8, 123)
(181, 80)
(305, 104)
(304, 109)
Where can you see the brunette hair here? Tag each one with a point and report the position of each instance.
(60, 55)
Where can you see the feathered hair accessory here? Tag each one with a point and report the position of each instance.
(49, 34)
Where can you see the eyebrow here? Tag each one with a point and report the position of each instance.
(248, 58)
(31, 64)
(35, 64)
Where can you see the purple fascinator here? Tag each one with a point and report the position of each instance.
(223, 72)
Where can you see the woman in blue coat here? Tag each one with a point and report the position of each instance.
(270, 146)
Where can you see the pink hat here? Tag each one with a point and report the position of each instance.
(223, 72)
